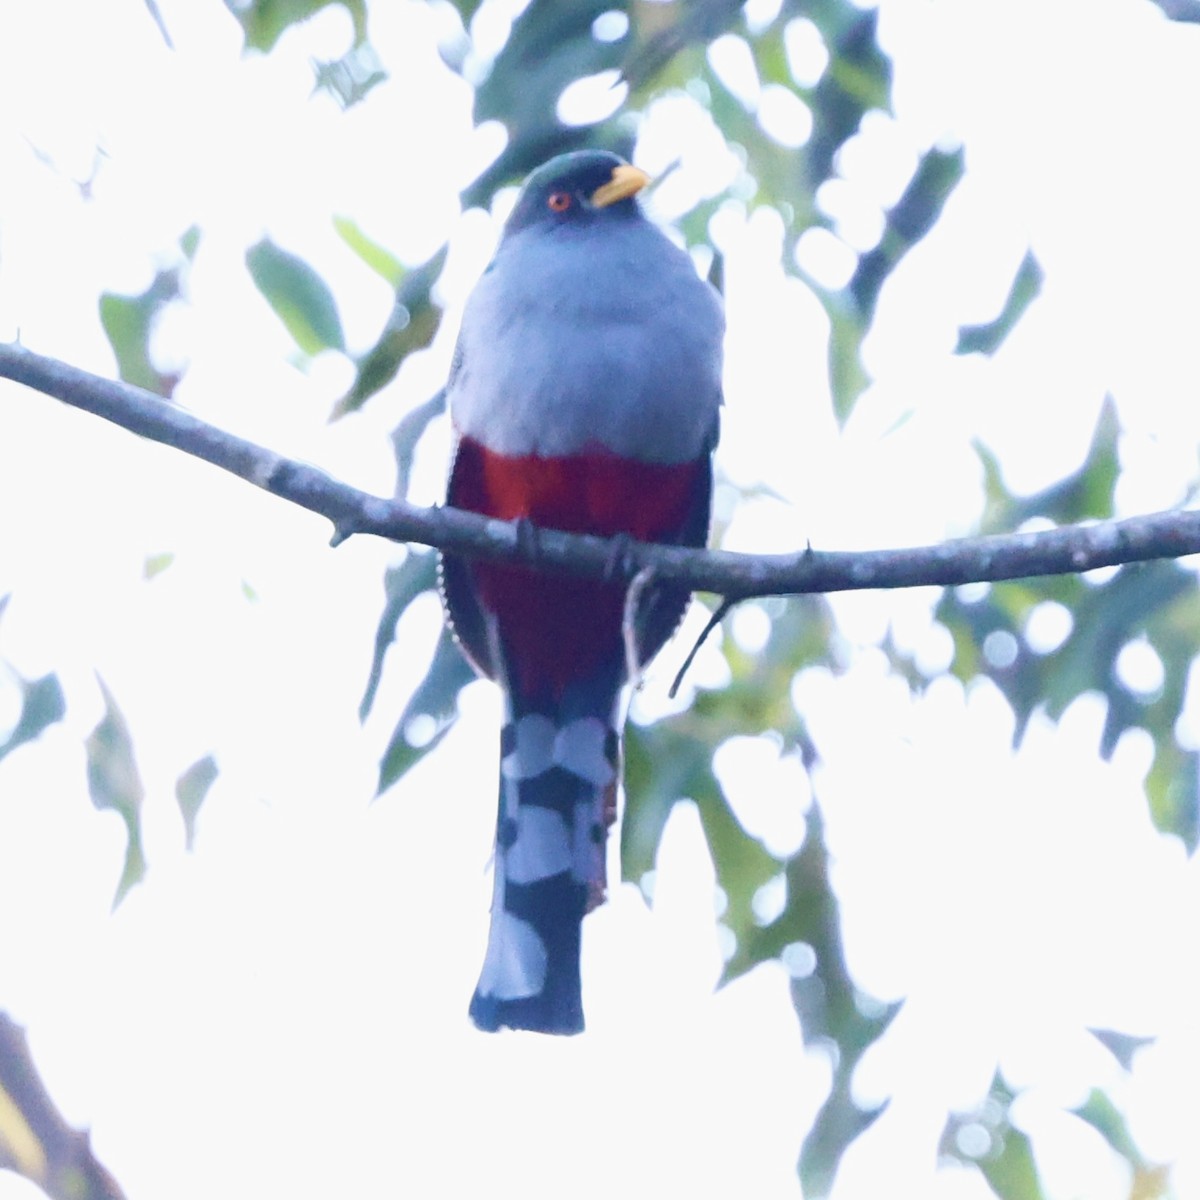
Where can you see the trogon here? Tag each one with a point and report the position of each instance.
(584, 394)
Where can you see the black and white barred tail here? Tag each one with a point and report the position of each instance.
(557, 797)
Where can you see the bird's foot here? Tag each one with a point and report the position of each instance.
(619, 564)
(529, 540)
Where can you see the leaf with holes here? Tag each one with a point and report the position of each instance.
(987, 1140)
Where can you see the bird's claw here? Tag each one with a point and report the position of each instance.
(528, 538)
(619, 564)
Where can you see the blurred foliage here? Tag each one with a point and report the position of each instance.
(191, 790)
(673, 759)
(412, 577)
(1122, 1046)
(987, 1139)
(914, 214)
(129, 321)
(115, 784)
(1150, 1180)
(300, 297)
(156, 564)
(41, 703)
(413, 321)
(1153, 607)
(1005, 1154)
(264, 21)
(1181, 10)
(998, 631)
(349, 78)
(986, 338)
(430, 712)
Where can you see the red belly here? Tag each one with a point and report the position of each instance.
(558, 628)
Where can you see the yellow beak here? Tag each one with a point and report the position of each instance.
(626, 181)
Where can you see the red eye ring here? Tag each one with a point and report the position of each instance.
(558, 202)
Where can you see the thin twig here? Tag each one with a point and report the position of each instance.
(713, 621)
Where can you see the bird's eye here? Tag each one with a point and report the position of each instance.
(558, 202)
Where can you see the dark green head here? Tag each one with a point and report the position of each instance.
(578, 188)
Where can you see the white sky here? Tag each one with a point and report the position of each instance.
(284, 1010)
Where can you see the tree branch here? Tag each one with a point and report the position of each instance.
(35, 1141)
(1068, 550)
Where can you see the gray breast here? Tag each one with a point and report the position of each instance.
(594, 336)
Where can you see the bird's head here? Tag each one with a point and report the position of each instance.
(577, 189)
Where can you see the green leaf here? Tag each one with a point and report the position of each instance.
(300, 297)
(402, 585)
(1181, 10)
(1004, 1155)
(128, 323)
(658, 762)
(838, 1122)
(1122, 1046)
(413, 322)
(409, 432)
(673, 759)
(264, 21)
(666, 763)
(191, 788)
(847, 376)
(466, 9)
(986, 338)
(658, 41)
(857, 79)
(114, 783)
(550, 46)
(156, 564)
(1011, 1172)
(351, 78)
(1155, 600)
(1085, 494)
(1102, 1115)
(830, 1006)
(1173, 793)
(382, 261)
(190, 243)
(42, 705)
(436, 698)
(913, 216)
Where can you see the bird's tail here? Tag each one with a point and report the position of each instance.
(558, 780)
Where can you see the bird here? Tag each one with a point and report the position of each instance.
(584, 395)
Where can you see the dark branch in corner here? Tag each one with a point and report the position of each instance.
(35, 1141)
(1062, 551)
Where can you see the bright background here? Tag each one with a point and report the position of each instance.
(284, 1009)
